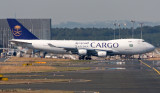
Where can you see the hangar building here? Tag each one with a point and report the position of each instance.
(39, 27)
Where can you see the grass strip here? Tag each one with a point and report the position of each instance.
(30, 69)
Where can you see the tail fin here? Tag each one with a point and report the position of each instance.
(19, 31)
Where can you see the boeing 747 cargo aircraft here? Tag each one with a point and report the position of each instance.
(84, 48)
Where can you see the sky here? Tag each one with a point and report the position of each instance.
(82, 10)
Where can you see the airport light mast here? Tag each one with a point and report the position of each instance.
(141, 29)
(114, 29)
(133, 28)
(125, 26)
(119, 30)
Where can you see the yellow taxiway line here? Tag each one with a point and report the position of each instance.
(158, 72)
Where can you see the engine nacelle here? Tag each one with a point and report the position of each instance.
(82, 52)
(102, 53)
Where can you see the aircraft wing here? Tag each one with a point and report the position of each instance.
(89, 51)
(19, 42)
(4, 48)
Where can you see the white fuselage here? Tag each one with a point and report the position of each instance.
(119, 46)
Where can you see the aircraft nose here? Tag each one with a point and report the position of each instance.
(151, 47)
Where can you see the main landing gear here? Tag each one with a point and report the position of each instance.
(83, 57)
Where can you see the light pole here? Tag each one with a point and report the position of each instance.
(114, 29)
(125, 26)
(141, 29)
(119, 30)
(133, 28)
(2, 38)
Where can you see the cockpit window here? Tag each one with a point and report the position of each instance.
(130, 45)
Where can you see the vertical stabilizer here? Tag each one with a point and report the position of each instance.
(19, 31)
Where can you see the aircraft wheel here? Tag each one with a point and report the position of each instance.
(81, 57)
(88, 58)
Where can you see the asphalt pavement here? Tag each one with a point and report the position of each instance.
(2, 59)
(105, 77)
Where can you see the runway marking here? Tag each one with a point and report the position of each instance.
(41, 62)
(158, 72)
(145, 64)
(6, 59)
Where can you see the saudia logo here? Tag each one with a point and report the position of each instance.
(16, 31)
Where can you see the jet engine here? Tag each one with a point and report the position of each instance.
(102, 53)
(82, 52)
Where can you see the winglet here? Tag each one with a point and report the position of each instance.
(19, 31)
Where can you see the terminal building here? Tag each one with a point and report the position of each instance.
(39, 27)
